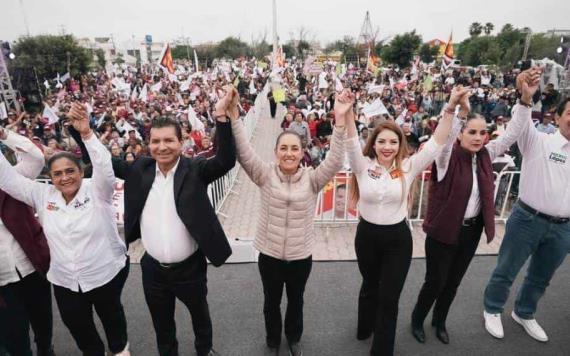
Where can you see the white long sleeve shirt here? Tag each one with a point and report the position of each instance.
(495, 148)
(545, 171)
(164, 235)
(13, 260)
(381, 201)
(85, 247)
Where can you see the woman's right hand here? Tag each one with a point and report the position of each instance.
(456, 94)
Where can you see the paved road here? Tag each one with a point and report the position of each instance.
(330, 315)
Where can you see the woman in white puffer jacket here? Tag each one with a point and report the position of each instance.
(285, 232)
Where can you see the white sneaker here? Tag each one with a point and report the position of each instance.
(493, 325)
(531, 327)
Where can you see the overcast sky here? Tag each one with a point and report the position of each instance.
(213, 20)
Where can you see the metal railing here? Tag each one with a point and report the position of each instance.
(334, 203)
(219, 190)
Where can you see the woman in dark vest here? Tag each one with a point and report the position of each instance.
(460, 206)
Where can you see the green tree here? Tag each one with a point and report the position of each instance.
(232, 47)
(475, 51)
(347, 46)
(542, 45)
(262, 49)
(48, 55)
(475, 29)
(402, 48)
(118, 59)
(488, 28)
(288, 49)
(100, 54)
(183, 52)
(303, 47)
(428, 53)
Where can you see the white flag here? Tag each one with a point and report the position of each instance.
(3, 111)
(144, 93)
(156, 87)
(134, 94)
(374, 109)
(338, 85)
(194, 121)
(65, 77)
(196, 60)
(402, 117)
(124, 126)
(50, 115)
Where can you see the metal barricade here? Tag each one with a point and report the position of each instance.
(333, 202)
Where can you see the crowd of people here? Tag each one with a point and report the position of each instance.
(170, 135)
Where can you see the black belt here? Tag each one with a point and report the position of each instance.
(175, 264)
(470, 221)
(549, 218)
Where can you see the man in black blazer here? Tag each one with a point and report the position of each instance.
(167, 206)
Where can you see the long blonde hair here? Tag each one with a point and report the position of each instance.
(369, 152)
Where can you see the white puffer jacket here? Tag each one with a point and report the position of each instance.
(285, 227)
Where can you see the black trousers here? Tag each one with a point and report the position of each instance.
(445, 267)
(272, 108)
(28, 301)
(293, 275)
(384, 254)
(76, 309)
(186, 281)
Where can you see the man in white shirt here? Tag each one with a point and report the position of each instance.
(167, 207)
(539, 226)
(24, 260)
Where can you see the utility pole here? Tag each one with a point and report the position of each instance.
(527, 44)
(275, 37)
(25, 18)
(6, 90)
(68, 62)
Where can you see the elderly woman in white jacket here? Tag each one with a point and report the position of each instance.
(285, 233)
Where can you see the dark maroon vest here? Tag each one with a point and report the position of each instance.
(448, 199)
(19, 219)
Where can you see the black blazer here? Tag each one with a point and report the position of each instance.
(191, 180)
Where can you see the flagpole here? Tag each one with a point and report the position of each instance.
(275, 38)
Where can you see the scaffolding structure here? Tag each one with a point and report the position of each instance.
(7, 93)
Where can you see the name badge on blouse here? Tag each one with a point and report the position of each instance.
(373, 174)
(557, 158)
(52, 206)
(81, 205)
(395, 173)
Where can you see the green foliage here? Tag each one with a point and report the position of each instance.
(101, 61)
(303, 47)
(479, 50)
(475, 29)
(428, 53)
(232, 47)
(402, 48)
(488, 28)
(506, 48)
(48, 55)
(182, 52)
(119, 59)
(262, 49)
(347, 46)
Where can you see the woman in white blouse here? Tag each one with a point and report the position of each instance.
(88, 265)
(382, 177)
